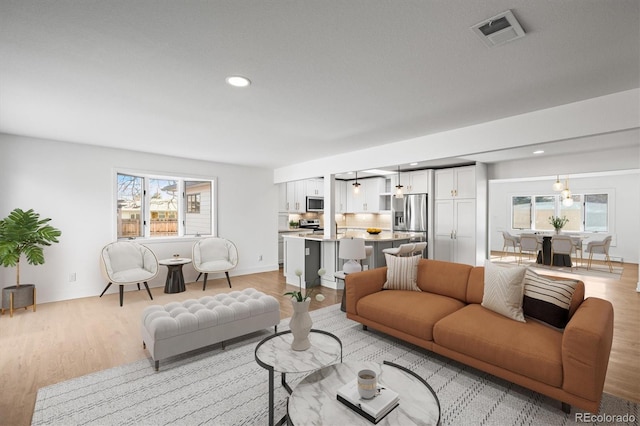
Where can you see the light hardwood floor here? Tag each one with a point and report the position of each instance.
(63, 340)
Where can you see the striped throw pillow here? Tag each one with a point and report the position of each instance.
(546, 299)
(402, 273)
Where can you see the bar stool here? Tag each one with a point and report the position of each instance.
(406, 249)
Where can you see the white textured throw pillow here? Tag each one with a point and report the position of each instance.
(402, 273)
(503, 290)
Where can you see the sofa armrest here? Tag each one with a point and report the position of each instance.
(586, 345)
(363, 283)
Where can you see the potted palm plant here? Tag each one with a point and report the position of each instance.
(23, 232)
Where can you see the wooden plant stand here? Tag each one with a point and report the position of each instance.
(18, 297)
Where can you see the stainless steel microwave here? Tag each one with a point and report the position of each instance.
(315, 204)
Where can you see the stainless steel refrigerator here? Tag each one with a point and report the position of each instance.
(410, 216)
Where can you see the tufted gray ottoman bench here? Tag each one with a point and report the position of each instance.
(180, 327)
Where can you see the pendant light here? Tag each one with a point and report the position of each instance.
(566, 193)
(356, 185)
(399, 193)
(558, 186)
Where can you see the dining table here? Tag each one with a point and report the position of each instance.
(544, 255)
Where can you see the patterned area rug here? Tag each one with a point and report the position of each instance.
(227, 387)
(597, 271)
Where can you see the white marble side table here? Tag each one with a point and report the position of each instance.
(314, 399)
(274, 353)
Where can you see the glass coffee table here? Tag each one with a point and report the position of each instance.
(274, 353)
(314, 399)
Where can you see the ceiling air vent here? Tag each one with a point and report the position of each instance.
(498, 30)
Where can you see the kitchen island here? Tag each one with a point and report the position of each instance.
(310, 252)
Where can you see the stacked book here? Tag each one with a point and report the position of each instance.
(373, 409)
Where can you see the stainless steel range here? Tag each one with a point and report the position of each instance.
(313, 224)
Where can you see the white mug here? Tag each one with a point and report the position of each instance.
(367, 383)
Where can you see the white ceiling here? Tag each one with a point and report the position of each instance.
(328, 76)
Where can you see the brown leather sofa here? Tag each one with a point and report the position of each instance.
(446, 317)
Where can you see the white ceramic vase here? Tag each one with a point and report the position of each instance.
(300, 325)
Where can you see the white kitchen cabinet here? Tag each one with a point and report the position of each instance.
(456, 215)
(416, 182)
(341, 196)
(296, 196)
(282, 198)
(314, 187)
(455, 231)
(367, 200)
(459, 182)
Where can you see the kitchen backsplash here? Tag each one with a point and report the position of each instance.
(351, 220)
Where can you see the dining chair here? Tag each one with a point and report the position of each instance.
(509, 241)
(529, 243)
(577, 247)
(212, 255)
(127, 262)
(561, 244)
(600, 247)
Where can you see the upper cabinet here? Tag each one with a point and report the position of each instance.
(367, 200)
(341, 196)
(283, 206)
(296, 196)
(416, 182)
(458, 182)
(314, 187)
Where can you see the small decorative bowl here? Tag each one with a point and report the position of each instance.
(376, 232)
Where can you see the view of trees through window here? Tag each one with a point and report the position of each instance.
(157, 207)
(588, 213)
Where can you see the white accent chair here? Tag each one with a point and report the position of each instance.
(214, 255)
(127, 262)
(529, 243)
(509, 241)
(600, 247)
(562, 244)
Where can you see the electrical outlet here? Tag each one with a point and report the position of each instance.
(72, 277)
(260, 258)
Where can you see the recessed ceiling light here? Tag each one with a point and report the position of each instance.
(238, 81)
(413, 164)
(538, 152)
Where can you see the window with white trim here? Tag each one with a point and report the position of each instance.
(150, 206)
(588, 213)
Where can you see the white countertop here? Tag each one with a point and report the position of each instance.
(383, 236)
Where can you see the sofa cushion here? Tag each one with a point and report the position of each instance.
(475, 286)
(503, 290)
(546, 299)
(402, 272)
(414, 313)
(444, 278)
(530, 349)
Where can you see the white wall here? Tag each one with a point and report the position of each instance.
(73, 185)
(624, 205)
